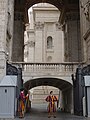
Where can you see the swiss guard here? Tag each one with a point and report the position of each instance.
(51, 99)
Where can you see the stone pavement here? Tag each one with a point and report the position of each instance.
(38, 112)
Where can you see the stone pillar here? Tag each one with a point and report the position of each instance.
(59, 41)
(85, 29)
(18, 38)
(3, 29)
(31, 51)
(39, 41)
(10, 23)
(67, 100)
(78, 91)
(20, 80)
(72, 37)
(31, 45)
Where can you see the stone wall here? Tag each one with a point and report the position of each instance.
(18, 38)
(40, 93)
(67, 100)
(3, 27)
(85, 29)
(44, 24)
(72, 37)
(10, 15)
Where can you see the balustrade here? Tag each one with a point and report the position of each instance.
(47, 68)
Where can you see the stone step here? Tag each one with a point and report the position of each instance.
(39, 94)
(45, 91)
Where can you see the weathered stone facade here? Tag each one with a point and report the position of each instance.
(44, 28)
(85, 28)
(75, 22)
(6, 29)
(18, 37)
(72, 37)
(3, 33)
(44, 25)
(7, 15)
(40, 93)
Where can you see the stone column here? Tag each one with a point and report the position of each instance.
(10, 23)
(3, 29)
(59, 40)
(31, 45)
(72, 37)
(18, 37)
(39, 41)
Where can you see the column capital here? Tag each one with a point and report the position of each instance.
(39, 25)
(58, 26)
(31, 43)
(86, 9)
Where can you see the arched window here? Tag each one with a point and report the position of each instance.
(49, 58)
(49, 42)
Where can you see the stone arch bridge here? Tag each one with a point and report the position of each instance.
(52, 74)
(61, 71)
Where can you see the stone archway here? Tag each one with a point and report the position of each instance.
(56, 82)
(65, 87)
(69, 21)
(17, 15)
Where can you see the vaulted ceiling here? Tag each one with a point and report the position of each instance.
(62, 5)
(58, 3)
(58, 83)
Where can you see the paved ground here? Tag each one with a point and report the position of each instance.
(40, 113)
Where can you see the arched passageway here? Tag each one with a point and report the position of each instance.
(61, 84)
(66, 91)
(69, 22)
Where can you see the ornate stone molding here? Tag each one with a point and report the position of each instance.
(58, 26)
(86, 9)
(11, 70)
(31, 43)
(39, 25)
(86, 70)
